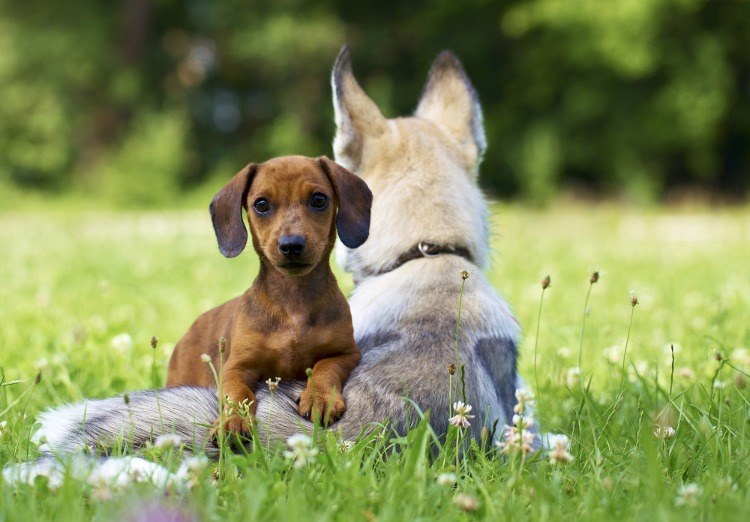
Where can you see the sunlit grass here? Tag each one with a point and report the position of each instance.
(76, 281)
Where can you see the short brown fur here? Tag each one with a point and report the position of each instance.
(294, 316)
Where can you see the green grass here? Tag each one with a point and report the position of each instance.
(75, 280)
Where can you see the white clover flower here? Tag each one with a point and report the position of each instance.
(613, 354)
(345, 446)
(573, 376)
(720, 385)
(518, 438)
(27, 473)
(167, 440)
(466, 502)
(3, 426)
(559, 454)
(446, 479)
(301, 450)
(525, 400)
(664, 432)
(205, 358)
(461, 418)
(122, 342)
(190, 471)
(688, 495)
(740, 356)
(685, 373)
(122, 472)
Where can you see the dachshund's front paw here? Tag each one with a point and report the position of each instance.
(233, 425)
(325, 404)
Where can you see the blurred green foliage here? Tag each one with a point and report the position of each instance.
(137, 100)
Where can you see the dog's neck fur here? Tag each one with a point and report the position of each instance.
(294, 294)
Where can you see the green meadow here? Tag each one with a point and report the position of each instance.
(653, 396)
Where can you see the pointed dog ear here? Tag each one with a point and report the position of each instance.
(449, 99)
(226, 212)
(355, 201)
(357, 117)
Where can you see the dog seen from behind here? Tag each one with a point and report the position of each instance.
(294, 316)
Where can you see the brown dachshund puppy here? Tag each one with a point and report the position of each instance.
(294, 316)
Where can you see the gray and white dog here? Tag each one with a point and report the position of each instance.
(429, 223)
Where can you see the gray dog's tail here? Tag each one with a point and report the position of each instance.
(134, 419)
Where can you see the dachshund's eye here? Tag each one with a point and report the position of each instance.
(261, 205)
(319, 201)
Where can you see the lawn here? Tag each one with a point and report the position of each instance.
(84, 292)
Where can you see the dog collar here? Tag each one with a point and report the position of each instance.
(425, 249)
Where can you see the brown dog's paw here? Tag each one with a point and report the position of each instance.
(233, 425)
(327, 405)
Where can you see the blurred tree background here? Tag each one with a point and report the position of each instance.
(138, 101)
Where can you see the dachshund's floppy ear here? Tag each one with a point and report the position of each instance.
(355, 201)
(226, 212)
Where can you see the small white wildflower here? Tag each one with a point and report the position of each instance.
(525, 400)
(638, 368)
(122, 472)
(446, 479)
(613, 354)
(573, 376)
(206, 358)
(461, 418)
(560, 443)
(740, 356)
(273, 384)
(720, 385)
(563, 352)
(518, 438)
(345, 446)
(688, 495)
(190, 471)
(167, 440)
(3, 425)
(664, 432)
(686, 373)
(301, 450)
(41, 364)
(122, 342)
(466, 502)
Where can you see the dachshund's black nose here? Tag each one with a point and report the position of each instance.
(291, 246)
